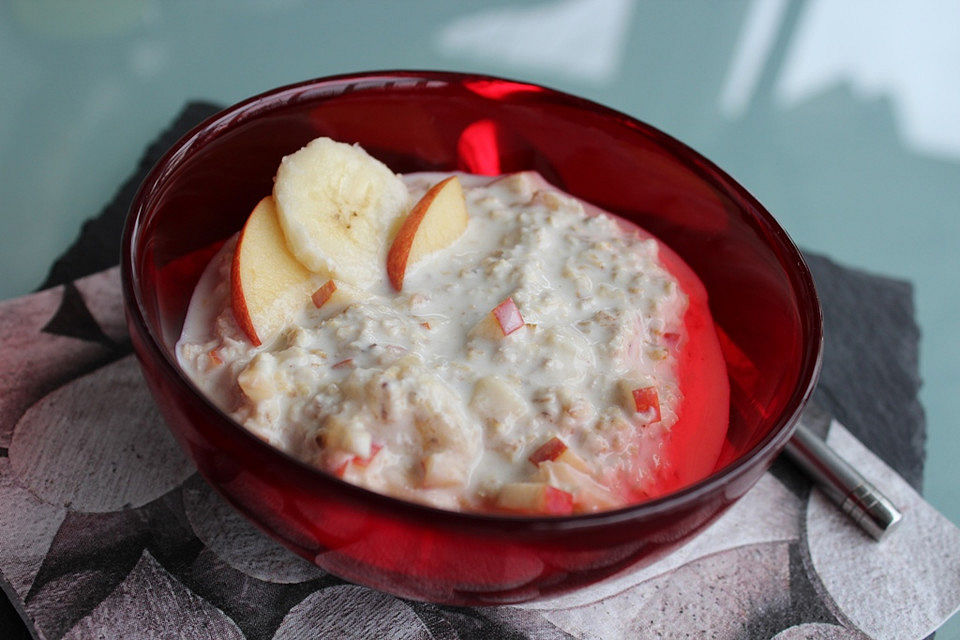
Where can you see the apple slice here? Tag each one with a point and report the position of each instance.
(556, 450)
(535, 497)
(336, 204)
(439, 218)
(502, 321)
(268, 284)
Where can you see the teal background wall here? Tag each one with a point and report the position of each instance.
(842, 117)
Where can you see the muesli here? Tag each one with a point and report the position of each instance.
(468, 342)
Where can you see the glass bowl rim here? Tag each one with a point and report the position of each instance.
(811, 318)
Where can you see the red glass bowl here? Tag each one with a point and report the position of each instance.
(761, 295)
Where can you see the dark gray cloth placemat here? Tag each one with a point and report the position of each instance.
(870, 378)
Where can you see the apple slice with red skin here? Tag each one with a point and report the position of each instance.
(268, 284)
(535, 498)
(435, 222)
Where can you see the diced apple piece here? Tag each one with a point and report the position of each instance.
(347, 435)
(357, 441)
(550, 450)
(588, 494)
(322, 295)
(671, 339)
(444, 469)
(502, 321)
(333, 297)
(557, 450)
(363, 463)
(640, 397)
(495, 399)
(357, 462)
(258, 380)
(435, 222)
(647, 402)
(268, 284)
(535, 498)
(508, 316)
(517, 187)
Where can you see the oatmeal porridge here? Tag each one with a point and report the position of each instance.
(522, 355)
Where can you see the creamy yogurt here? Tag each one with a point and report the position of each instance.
(411, 394)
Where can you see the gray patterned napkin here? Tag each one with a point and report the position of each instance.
(106, 531)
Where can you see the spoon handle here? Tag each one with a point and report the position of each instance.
(849, 490)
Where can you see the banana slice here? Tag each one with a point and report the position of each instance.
(336, 205)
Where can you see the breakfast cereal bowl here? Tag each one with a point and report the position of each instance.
(761, 297)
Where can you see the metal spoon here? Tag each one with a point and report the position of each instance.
(849, 490)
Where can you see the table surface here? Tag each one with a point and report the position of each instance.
(840, 117)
